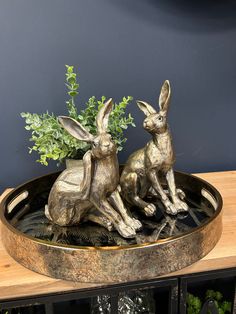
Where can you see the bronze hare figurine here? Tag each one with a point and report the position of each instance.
(144, 167)
(91, 192)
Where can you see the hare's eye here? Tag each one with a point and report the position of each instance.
(160, 118)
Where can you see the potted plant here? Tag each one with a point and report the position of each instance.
(52, 142)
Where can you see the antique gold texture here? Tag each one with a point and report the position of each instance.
(114, 263)
(146, 166)
(91, 191)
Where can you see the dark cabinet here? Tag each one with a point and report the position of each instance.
(159, 296)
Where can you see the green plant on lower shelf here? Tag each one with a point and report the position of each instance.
(51, 141)
(194, 303)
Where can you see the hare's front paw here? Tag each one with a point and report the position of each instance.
(125, 231)
(180, 205)
(170, 208)
(181, 194)
(134, 223)
(109, 226)
(150, 210)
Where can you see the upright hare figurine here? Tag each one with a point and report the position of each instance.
(91, 192)
(144, 167)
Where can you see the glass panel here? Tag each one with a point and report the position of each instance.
(136, 301)
(73, 307)
(29, 309)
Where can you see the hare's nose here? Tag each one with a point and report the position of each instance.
(106, 144)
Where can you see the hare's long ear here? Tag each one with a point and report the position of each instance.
(103, 116)
(164, 99)
(145, 107)
(75, 129)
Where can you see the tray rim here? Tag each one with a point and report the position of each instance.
(7, 225)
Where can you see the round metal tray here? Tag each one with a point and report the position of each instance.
(89, 253)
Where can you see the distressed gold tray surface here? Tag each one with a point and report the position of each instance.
(89, 253)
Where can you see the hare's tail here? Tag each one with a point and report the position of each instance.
(47, 214)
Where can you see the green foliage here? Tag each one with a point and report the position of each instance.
(51, 141)
(194, 304)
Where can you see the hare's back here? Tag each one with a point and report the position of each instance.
(135, 163)
(69, 180)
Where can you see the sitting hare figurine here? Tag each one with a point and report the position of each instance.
(144, 167)
(91, 192)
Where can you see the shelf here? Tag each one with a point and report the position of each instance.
(17, 281)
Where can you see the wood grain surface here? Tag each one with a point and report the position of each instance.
(17, 281)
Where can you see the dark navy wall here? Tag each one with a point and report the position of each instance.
(122, 47)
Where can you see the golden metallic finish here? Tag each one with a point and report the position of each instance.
(116, 263)
(91, 191)
(145, 167)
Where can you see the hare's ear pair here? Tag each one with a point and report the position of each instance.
(164, 100)
(79, 132)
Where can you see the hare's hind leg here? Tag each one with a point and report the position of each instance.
(118, 204)
(97, 217)
(62, 208)
(60, 215)
(130, 191)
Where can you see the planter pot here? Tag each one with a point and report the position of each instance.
(71, 163)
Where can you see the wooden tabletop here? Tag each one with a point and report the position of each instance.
(17, 281)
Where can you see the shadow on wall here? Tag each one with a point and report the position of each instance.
(188, 15)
